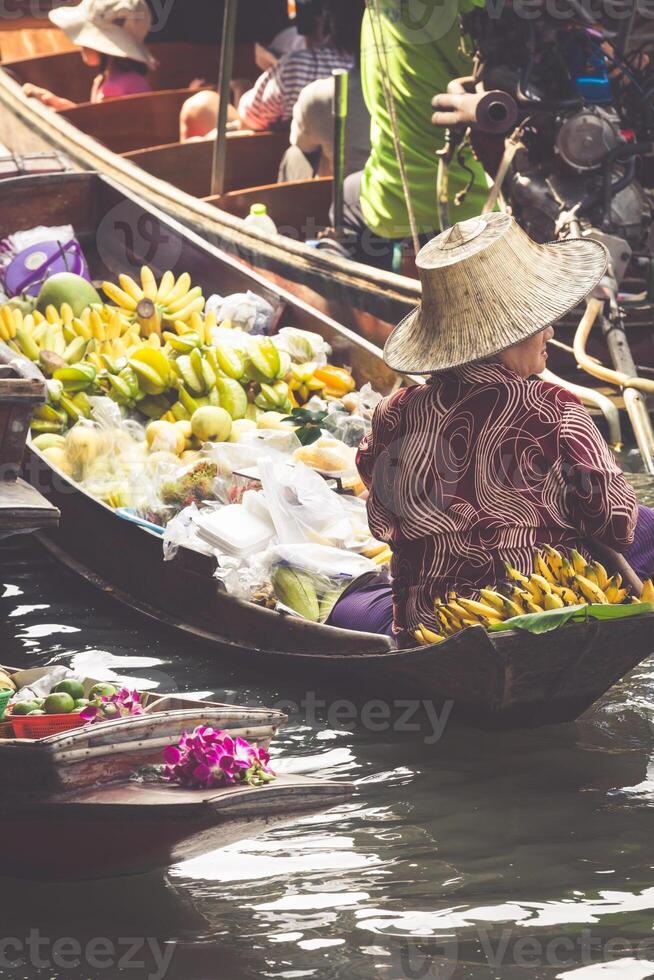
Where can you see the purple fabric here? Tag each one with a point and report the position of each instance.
(368, 607)
(641, 553)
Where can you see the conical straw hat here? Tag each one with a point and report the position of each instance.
(487, 286)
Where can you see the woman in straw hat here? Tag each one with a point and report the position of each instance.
(485, 462)
(111, 35)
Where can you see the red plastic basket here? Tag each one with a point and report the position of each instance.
(40, 726)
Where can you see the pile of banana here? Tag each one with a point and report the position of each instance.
(556, 582)
(153, 350)
(169, 303)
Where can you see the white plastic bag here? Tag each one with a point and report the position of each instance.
(301, 505)
(319, 559)
(245, 310)
(302, 345)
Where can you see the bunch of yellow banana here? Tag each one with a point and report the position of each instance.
(197, 324)
(33, 334)
(155, 304)
(556, 582)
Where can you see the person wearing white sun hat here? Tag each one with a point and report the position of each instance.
(485, 462)
(111, 35)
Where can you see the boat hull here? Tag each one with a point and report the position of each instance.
(137, 828)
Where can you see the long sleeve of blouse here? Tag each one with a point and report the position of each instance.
(599, 500)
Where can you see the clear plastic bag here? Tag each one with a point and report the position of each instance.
(350, 429)
(329, 456)
(302, 507)
(248, 311)
(308, 579)
(302, 345)
(182, 530)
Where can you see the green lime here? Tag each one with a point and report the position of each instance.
(59, 704)
(74, 688)
(39, 702)
(102, 691)
(37, 711)
(81, 703)
(110, 710)
(23, 708)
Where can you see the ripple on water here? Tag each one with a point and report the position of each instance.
(477, 839)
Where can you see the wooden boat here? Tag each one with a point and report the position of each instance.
(136, 828)
(499, 679)
(135, 140)
(22, 387)
(141, 133)
(117, 750)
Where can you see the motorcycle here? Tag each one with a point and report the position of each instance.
(560, 109)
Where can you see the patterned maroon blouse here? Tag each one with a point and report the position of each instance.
(478, 467)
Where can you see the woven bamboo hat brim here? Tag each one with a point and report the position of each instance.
(487, 286)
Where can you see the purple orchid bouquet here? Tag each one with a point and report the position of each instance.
(208, 758)
(119, 705)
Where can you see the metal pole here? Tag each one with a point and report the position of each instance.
(635, 403)
(224, 80)
(341, 79)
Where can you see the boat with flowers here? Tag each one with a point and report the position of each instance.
(165, 779)
(494, 679)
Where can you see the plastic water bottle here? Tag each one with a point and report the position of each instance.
(259, 218)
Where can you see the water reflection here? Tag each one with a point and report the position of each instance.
(449, 855)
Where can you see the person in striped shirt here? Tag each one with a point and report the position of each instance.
(270, 102)
(332, 41)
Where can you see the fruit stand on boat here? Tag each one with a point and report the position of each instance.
(116, 760)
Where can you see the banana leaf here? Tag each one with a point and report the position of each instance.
(553, 619)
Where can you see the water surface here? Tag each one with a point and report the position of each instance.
(452, 855)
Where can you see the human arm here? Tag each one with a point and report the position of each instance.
(599, 500)
(263, 105)
(46, 97)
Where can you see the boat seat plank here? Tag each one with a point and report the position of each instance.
(178, 64)
(24, 508)
(32, 41)
(132, 122)
(298, 207)
(252, 158)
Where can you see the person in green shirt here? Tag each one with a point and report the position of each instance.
(421, 50)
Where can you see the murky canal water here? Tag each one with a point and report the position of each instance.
(512, 855)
